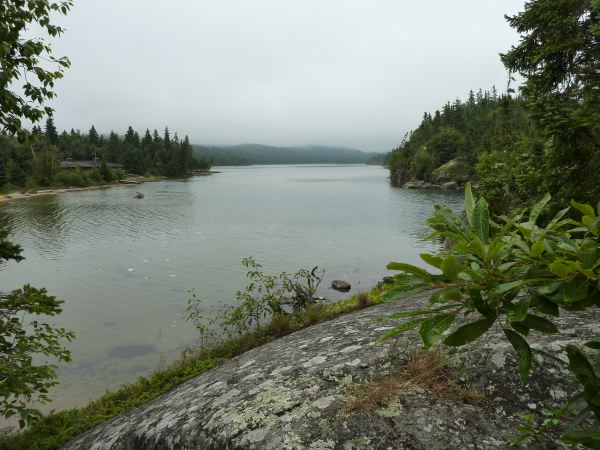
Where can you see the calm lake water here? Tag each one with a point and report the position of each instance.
(124, 266)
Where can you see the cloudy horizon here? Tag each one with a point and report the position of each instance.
(339, 73)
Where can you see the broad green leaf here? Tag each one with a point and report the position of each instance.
(432, 260)
(583, 208)
(539, 323)
(589, 437)
(557, 218)
(409, 268)
(505, 287)
(470, 203)
(518, 311)
(549, 288)
(397, 294)
(520, 328)
(593, 344)
(445, 220)
(482, 307)
(537, 249)
(416, 312)
(401, 329)
(581, 367)
(451, 268)
(481, 220)
(545, 306)
(562, 269)
(538, 208)
(524, 355)
(575, 290)
(432, 328)
(469, 332)
(446, 295)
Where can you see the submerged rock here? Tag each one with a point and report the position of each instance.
(293, 393)
(340, 285)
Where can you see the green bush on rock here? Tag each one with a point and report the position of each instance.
(517, 274)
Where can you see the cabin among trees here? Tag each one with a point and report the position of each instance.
(47, 158)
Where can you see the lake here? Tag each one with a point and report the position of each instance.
(124, 267)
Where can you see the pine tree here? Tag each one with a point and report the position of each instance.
(93, 136)
(51, 133)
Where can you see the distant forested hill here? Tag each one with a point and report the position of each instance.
(247, 154)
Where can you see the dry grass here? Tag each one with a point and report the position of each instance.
(428, 370)
(363, 300)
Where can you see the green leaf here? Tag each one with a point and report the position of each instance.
(584, 209)
(416, 312)
(581, 367)
(481, 220)
(409, 268)
(469, 332)
(432, 260)
(470, 203)
(537, 249)
(451, 268)
(505, 287)
(524, 355)
(593, 344)
(481, 305)
(518, 311)
(538, 208)
(562, 269)
(446, 295)
(539, 323)
(401, 329)
(431, 329)
(519, 327)
(544, 305)
(575, 290)
(557, 218)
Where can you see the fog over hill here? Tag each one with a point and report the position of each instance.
(248, 154)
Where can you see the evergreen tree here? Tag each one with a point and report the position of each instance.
(93, 136)
(51, 133)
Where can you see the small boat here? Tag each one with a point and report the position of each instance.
(139, 195)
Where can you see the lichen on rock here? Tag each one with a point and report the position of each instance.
(293, 393)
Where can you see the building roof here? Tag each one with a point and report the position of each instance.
(69, 163)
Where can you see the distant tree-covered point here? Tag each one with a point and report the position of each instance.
(249, 154)
(49, 158)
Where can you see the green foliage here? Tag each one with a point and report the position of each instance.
(515, 274)
(24, 340)
(265, 296)
(35, 159)
(28, 57)
(54, 430)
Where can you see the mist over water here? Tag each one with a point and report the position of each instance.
(125, 267)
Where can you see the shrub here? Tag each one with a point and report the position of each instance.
(517, 274)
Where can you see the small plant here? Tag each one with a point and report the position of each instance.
(363, 300)
(265, 296)
(517, 274)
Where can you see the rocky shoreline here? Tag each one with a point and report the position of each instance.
(297, 392)
(420, 184)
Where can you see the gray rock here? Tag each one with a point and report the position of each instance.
(293, 393)
(450, 185)
(340, 285)
(413, 184)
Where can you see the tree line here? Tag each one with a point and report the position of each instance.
(35, 159)
(544, 139)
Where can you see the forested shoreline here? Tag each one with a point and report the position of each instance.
(35, 160)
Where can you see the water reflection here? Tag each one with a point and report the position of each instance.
(124, 266)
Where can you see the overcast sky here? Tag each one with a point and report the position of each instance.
(336, 72)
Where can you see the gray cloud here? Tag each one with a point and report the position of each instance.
(336, 72)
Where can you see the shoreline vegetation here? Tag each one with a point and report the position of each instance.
(57, 428)
(54, 190)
